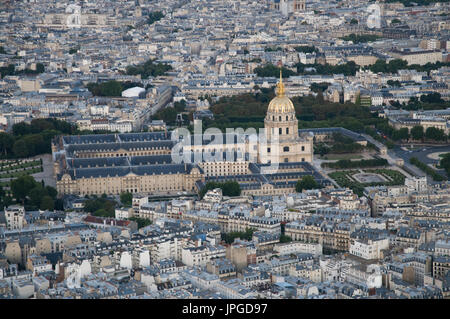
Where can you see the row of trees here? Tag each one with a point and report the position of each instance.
(425, 168)
(445, 163)
(270, 70)
(398, 64)
(306, 49)
(361, 38)
(418, 133)
(349, 69)
(272, 49)
(345, 164)
(431, 101)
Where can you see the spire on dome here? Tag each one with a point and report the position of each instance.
(280, 86)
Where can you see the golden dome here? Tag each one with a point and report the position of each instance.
(281, 103)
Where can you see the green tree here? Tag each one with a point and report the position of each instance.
(436, 134)
(417, 132)
(40, 68)
(319, 87)
(305, 183)
(434, 97)
(445, 163)
(306, 49)
(36, 195)
(51, 191)
(103, 213)
(229, 188)
(358, 99)
(6, 143)
(110, 88)
(148, 68)
(7, 70)
(270, 70)
(154, 16)
(167, 114)
(126, 198)
(394, 83)
(401, 134)
(247, 235)
(20, 148)
(285, 239)
(361, 38)
(21, 187)
(47, 203)
(142, 222)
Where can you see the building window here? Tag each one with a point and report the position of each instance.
(287, 118)
(286, 149)
(280, 131)
(287, 130)
(268, 150)
(303, 148)
(303, 159)
(286, 160)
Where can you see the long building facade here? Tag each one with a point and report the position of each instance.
(145, 162)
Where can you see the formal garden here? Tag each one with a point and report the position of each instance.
(11, 169)
(16, 168)
(358, 179)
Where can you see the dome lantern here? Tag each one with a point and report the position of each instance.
(281, 103)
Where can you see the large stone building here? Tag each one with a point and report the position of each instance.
(281, 126)
(288, 6)
(148, 163)
(420, 57)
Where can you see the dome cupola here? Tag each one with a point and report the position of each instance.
(281, 103)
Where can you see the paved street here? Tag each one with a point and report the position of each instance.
(47, 174)
(422, 153)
